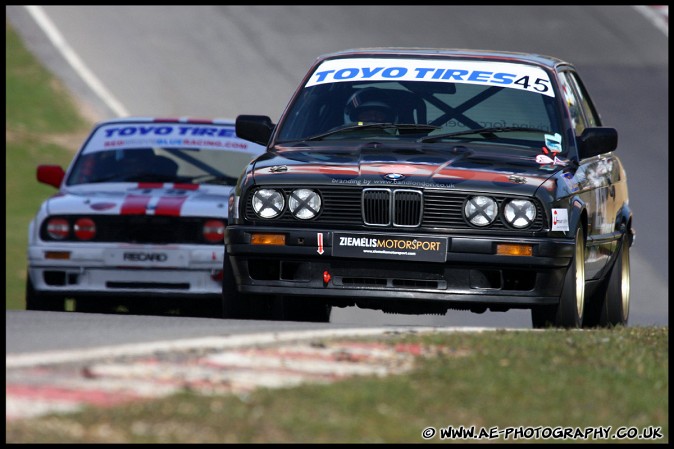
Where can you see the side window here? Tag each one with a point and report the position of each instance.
(585, 102)
(572, 102)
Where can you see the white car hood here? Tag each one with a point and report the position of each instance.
(168, 199)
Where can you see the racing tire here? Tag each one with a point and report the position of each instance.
(37, 301)
(593, 304)
(145, 306)
(569, 311)
(616, 304)
(309, 310)
(94, 304)
(609, 304)
(204, 308)
(234, 304)
(543, 316)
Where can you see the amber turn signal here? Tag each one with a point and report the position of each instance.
(61, 255)
(514, 250)
(268, 239)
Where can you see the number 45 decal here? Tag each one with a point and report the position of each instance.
(540, 85)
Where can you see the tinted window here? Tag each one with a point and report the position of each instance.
(426, 107)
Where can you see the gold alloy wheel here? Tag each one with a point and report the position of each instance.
(625, 281)
(580, 272)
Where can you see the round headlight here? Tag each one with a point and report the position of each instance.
(85, 229)
(213, 231)
(520, 213)
(268, 203)
(304, 203)
(480, 210)
(58, 228)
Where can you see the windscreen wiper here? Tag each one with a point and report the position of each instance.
(214, 179)
(357, 127)
(487, 132)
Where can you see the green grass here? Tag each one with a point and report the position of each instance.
(556, 378)
(39, 116)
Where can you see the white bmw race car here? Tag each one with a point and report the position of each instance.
(139, 217)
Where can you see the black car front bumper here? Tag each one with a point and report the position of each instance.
(469, 270)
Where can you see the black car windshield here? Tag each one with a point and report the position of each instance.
(426, 111)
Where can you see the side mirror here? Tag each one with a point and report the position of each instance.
(595, 141)
(256, 128)
(50, 174)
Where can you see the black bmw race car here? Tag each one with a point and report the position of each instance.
(422, 180)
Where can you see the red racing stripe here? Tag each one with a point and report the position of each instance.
(135, 204)
(185, 186)
(170, 205)
(150, 185)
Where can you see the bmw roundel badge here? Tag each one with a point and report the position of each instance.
(394, 177)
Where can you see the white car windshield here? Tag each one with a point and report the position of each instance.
(162, 152)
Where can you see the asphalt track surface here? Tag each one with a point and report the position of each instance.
(221, 61)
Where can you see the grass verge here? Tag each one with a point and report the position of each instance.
(569, 380)
(42, 126)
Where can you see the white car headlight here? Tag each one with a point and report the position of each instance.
(480, 210)
(268, 203)
(304, 203)
(519, 213)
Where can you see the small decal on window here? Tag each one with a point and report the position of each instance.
(543, 159)
(547, 160)
(554, 142)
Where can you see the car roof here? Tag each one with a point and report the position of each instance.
(148, 119)
(495, 55)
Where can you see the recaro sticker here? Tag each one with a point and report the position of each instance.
(504, 74)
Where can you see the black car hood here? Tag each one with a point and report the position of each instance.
(474, 168)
